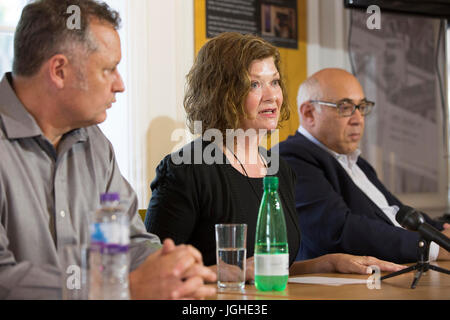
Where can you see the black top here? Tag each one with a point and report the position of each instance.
(189, 199)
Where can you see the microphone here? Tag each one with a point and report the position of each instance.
(413, 220)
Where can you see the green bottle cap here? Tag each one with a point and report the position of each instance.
(270, 182)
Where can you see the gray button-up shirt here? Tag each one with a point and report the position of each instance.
(47, 197)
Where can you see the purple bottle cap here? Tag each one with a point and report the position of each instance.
(109, 196)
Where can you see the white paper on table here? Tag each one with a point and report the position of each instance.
(329, 281)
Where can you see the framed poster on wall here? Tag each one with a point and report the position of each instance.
(273, 20)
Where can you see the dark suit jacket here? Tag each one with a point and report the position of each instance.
(335, 215)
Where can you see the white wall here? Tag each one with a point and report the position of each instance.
(158, 81)
(327, 35)
(158, 51)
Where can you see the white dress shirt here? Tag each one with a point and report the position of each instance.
(348, 162)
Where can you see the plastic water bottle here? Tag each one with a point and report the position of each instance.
(109, 257)
(271, 247)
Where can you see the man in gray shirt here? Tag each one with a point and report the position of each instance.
(55, 161)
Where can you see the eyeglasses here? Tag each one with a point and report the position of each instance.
(347, 108)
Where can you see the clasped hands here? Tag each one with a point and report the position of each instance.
(172, 272)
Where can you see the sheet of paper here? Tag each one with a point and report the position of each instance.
(329, 281)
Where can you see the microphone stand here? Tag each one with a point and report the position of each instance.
(422, 265)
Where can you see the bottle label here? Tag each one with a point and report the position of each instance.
(272, 264)
(111, 233)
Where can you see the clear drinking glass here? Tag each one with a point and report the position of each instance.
(231, 253)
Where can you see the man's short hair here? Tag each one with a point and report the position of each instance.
(43, 31)
(308, 90)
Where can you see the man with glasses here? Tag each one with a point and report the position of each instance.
(341, 204)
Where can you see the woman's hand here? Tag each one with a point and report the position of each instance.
(346, 263)
(250, 270)
(231, 272)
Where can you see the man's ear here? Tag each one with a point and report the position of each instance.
(58, 70)
(308, 113)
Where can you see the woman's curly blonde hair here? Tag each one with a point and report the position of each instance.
(219, 81)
